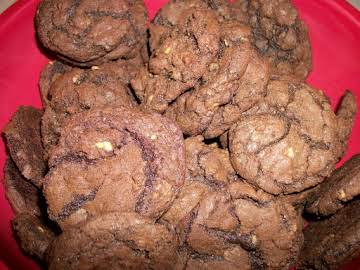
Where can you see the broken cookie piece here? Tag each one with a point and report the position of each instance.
(34, 234)
(23, 141)
(334, 241)
(336, 191)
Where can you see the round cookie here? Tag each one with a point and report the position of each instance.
(289, 142)
(280, 35)
(89, 32)
(115, 241)
(340, 188)
(23, 140)
(79, 90)
(114, 159)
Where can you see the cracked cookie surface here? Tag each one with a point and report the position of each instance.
(78, 90)
(283, 146)
(280, 35)
(114, 159)
(225, 223)
(91, 32)
(115, 241)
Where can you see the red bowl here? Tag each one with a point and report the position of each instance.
(334, 28)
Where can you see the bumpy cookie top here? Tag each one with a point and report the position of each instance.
(115, 241)
(279, 34)
(203, 72)
(78, 90)
(289, 142)
(224, 223)
(114, 159)
(87, 32)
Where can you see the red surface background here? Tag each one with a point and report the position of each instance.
(334, 28)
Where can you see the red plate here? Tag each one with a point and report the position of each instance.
(334, 29)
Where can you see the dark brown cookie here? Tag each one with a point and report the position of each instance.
(224, 223)
(217, 76)
(49, 74)
(34, 234)
(340, 188)
(23, 196)
(79, 90)
(23, 141)
(238, 83)
(32, 228)
(181, 56)
(289, 142)
(88, 32)
(280, 35)
(332, 242)
(114, 159)
(115, 241)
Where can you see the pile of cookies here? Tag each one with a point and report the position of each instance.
(192, 142)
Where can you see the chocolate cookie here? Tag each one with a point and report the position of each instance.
(114, 159)
(23, 196)
(289, 142)
(273, 226)
(184, 54)
(224, 223)
(32, 228)
(280, 35)
(88, 32)
(115, 241)
(332, 242)
(341, 187)
(221, 82)
(23, 141)
(238, 83)
(34, 234)
(79, 90)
